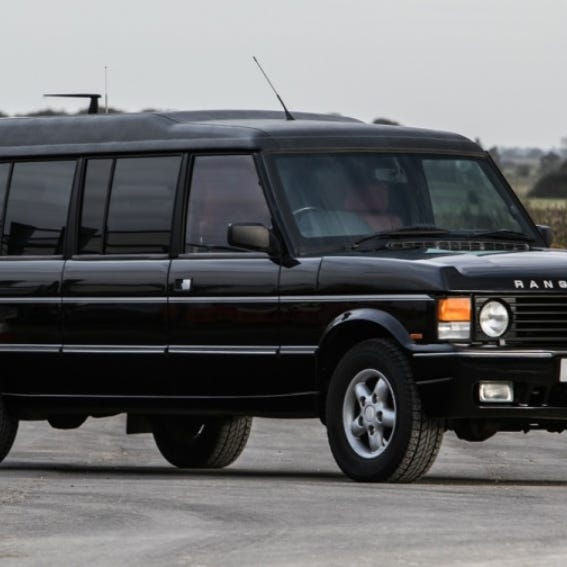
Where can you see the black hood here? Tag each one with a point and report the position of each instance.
(423, 271)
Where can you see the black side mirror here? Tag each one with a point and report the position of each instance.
(546, 234)
(253, 236)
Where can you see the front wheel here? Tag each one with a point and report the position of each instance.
(201, 442)
(376, 427)
(8, 430)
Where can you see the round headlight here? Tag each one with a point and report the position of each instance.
(494, 319)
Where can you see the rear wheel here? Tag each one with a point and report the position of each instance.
(376, 427)
(8, 430)
(199, 442)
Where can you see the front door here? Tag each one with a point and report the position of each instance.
(223, 302)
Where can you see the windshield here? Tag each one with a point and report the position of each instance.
(336, 200)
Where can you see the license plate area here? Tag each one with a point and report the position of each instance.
(563, 370)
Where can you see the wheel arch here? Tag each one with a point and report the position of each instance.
(347, 330)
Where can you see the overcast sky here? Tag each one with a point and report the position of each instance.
(488, 69)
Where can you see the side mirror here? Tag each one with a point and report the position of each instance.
(546, 234)
(252, 236)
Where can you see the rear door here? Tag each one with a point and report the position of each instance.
(115, 285)
(34, 202)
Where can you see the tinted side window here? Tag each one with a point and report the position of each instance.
(4, 174)
(97, 182)
(141, 205)
(224, 190)
(36, 213)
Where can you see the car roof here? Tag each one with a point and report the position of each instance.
(213, 129)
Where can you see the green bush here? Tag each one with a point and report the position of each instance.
(552, 185)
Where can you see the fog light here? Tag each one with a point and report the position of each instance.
(496, 392)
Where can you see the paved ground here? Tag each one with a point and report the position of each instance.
(95, 496)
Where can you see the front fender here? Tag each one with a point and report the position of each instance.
(368, 317)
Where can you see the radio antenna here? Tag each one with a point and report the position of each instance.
(105, 89)
(288, 115)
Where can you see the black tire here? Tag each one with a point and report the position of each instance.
(199, 442)
(375, 424)
(8, 430)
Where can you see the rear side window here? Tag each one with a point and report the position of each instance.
(128, 205)
(224, 190)
(97, 183)
(36, 210)
(4, 175)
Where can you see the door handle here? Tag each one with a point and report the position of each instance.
(184, 284)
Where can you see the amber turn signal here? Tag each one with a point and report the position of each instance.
(454, 309)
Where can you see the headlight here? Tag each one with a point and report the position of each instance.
(494, 319)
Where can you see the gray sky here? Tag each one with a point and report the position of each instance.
(492, 69)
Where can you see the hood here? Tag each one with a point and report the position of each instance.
(427, 271)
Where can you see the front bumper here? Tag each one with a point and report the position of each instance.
(448, 377)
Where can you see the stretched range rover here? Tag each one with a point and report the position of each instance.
(196, 269)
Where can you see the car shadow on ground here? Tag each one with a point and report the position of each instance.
(161, 472)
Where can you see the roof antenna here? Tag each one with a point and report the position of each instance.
(93, 105)
(106, 89)
(288, 115)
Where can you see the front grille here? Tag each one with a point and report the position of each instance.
(536, 319)
(541, 318)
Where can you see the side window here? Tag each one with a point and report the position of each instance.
(97, 183)
(139, 193)
(224, 190)
(36, 211)
(4, 174)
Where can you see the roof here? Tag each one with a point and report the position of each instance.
(220, 129)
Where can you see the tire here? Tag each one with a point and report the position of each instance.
(198, 442)
(8, 430)
(376, 427)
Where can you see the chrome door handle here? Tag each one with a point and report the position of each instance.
(184, 284)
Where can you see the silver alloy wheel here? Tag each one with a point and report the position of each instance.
(369, 413)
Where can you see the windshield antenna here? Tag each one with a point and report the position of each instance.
(288, 115)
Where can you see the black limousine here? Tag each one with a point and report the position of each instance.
(196, 269)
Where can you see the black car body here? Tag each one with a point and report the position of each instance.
(195, 269)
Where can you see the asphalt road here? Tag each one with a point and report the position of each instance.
(95, 496)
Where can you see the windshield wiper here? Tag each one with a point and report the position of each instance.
(413, 230)
(503, 234)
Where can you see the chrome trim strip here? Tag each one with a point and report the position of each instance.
(300, 298)
(299, 349)
(507, 354)
(115, 300)
(22, 347)
(212, 349)
(353, 298)
(114, 349)
(221, 299)
(29, 300)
